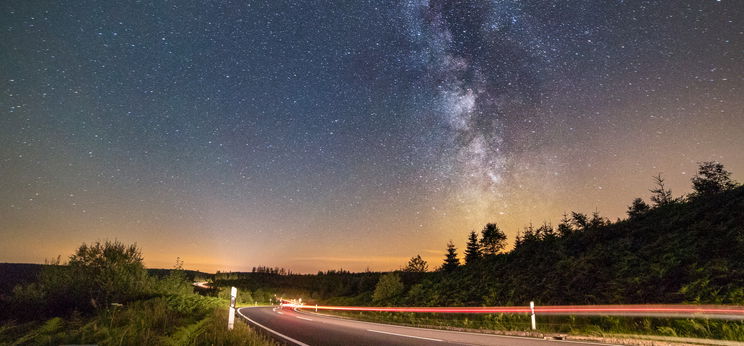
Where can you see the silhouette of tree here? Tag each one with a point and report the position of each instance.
(638, 208)
(451, 262)
(492, 239)
(545, 231)
(529, 235)
(472, 249)
(518, 240)
(712, 178)
(564, 228)
(579, 220)
(597, 221)
(661, 195)
(416, 265)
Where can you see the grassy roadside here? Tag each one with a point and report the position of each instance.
(605, 326)
(168, 320)
(104, 295)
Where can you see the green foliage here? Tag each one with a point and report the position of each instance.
(388, 288)
(245, 297)
(212, 331)
(96, 276)
(172, 320)
(108, 272)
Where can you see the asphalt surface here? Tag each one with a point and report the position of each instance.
(301, 328)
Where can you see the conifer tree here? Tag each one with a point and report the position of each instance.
(564, 228)
(661, 195)
(472, 249)
(451, 262)
(637, 208)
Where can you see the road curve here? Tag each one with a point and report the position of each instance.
(299, 328)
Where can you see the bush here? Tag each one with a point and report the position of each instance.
(96, 276)
(109, 272)
(388, 288)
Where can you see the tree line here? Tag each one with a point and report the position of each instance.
(668, 250)
(673, 249)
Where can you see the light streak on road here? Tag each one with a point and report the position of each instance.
(656, 310)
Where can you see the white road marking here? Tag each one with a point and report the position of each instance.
(279, 312)
(304, 318)
(403, 335)
(273, 331)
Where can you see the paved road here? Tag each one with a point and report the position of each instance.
(300, 328)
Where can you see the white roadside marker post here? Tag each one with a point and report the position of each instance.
(532, 309)
(316, 307)
(231, 316)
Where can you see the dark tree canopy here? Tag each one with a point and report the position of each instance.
(451, 262)
(638, 208)
(472, 249)
(579, 220)
(492, 240)
(597, 221)
(712, 178)
(564, 228)
(416, 265)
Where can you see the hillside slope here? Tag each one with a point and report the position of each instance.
(690, 251)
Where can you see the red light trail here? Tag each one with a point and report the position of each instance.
(680, 310)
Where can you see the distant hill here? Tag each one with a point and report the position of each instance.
(191, 275)
(13, 274)
(686, 251)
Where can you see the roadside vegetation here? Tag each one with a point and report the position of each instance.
(685, 249)
(104, 295)
(569, 325)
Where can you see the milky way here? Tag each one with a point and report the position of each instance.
(316, 135)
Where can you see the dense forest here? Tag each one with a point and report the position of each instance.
(683, 249)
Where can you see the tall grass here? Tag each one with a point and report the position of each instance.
(171, 320)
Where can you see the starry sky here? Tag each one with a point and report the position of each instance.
(349, 134)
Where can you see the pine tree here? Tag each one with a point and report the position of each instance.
(661, 195)
(579, 220)
(451, 262)
(472, 249)
(597, 221)
(546, 231)
(564, 228)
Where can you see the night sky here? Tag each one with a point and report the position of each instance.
(349, 134)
